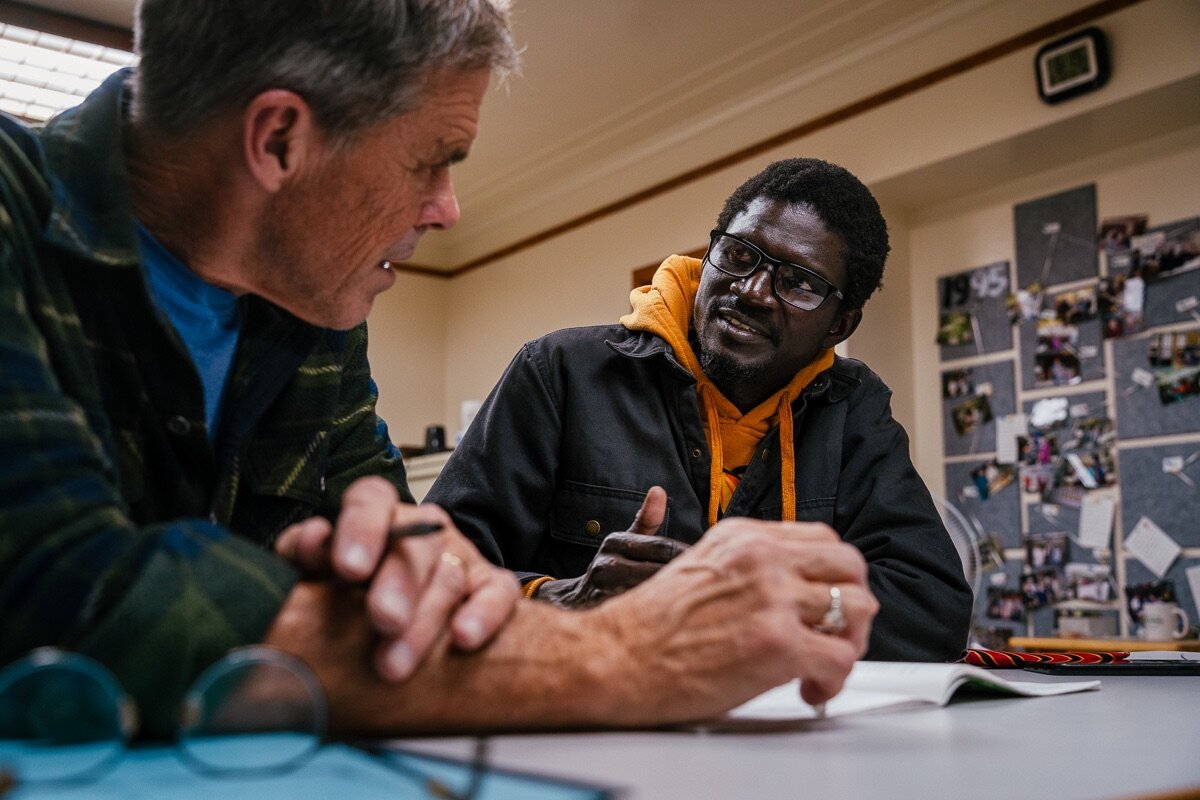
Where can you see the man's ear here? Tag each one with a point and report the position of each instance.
(844, 324)
(278, 135)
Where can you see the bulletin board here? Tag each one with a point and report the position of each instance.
(1070, 385)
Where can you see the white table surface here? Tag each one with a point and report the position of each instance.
(1137, 737)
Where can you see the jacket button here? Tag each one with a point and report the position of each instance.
(695, 452)
(766, 452)
(592, 527)
(179, 425)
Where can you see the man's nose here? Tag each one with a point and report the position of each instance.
(440, 210)
(757, 287)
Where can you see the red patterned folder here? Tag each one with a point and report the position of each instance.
(1005, 659)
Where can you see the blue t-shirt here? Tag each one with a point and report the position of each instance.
(207, 318)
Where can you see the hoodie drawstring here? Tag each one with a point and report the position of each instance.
(716, 467)
(787, 457)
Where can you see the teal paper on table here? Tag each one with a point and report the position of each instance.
(335, 771)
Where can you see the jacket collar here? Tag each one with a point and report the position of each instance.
(91, 214)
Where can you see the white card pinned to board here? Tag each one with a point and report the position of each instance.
(1152, 546)
(1096, 520)
(1142, 377)
(1193, 579)
(1008, 428)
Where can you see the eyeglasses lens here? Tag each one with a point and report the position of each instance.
(796, 286)
(58, 721)
(252, 713)
(64, 717)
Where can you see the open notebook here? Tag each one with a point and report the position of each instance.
(888, 684)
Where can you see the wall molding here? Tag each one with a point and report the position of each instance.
(857, 108)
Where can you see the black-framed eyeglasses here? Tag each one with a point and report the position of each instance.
(65, 720)
(795, 285)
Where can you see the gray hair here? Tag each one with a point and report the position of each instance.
(355, 62)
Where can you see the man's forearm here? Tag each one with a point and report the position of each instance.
(547, 669)
(730, 618)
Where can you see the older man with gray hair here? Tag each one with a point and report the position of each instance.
(192, 455)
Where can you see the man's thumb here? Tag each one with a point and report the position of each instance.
(652, 513)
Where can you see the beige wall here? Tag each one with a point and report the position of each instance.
(407, 349)
(947, 164)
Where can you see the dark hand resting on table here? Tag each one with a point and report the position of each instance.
(624, 559)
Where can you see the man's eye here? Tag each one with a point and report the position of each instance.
(795, 281)
(740, 254)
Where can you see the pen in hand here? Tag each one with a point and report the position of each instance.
(415, 529)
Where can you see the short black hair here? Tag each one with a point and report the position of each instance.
(843, 203)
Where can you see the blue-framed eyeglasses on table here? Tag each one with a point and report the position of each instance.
(256, 720)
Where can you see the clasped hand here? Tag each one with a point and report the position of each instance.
(416, 587)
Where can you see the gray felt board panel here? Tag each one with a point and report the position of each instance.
(1002, 402)
(1140, 412)
(1089, 349)
(1050, 258)
(1164, 292)
(999, 515)
(1148, 491)
(982, 292)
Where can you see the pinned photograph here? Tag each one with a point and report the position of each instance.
(1025, 305)
(1120, 300)
(991, 478)
(1168, 250)
(1005, 603)
(957, 383)
(1139, 594)
(1037, 479)
(1072, 308)
(1175, 361)
(955, 328)
(1046, 550)
(1056, 362)
(1041, 587)
(1089, 582)
(991, 553)
(1056, 368)
(970, 415)
(1117, 232)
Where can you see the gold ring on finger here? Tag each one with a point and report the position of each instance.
(454, 560)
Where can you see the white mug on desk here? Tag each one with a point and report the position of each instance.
(1161, 621)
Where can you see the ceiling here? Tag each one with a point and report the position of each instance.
(622, 95)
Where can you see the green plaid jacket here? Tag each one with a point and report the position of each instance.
(124, 534)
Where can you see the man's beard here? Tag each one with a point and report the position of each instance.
(726, 372)
(721, 368)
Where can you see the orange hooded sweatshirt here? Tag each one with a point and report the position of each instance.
(665, 309)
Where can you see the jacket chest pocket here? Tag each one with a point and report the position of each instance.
(582, 514)
(288, 468)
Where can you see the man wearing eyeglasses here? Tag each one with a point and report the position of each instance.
(722, 388)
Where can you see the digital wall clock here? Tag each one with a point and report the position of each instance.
(1072, 65)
